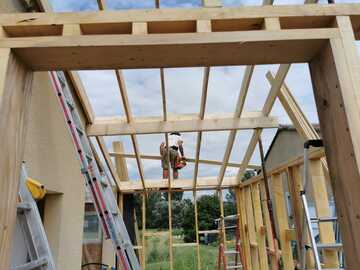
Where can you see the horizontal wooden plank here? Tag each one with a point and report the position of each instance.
(313, 154)
(169, 50)
(203, 183)
(191, 160)
(120, 126)
(303, 12)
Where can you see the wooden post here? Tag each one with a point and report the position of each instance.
(143, 212)
(15, 94)
(222, 215)
(244, 227)
(254, 252)
(197, 231)
(282, 220)
(335, 76)
(260, 228)
(170, 230)
(322, 206)
(268, 227)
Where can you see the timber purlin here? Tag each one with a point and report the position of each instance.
(236, 37)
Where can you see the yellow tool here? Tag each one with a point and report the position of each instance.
(36, 189)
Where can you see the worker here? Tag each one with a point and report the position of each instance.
(177, 157)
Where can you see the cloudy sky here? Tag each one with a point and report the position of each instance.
(183, 86)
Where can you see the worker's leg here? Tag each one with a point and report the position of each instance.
(175, 173)
(165, 173)
(173, 161)
(165, 164)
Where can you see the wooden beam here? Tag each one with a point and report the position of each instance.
(204, 183)
(79, 88)
(211, 3)
(118, 126)
(279, 79)
(129, 119)
(239, 108)
(201, 117)
(189, 160)
(292, 108)
(15, 93)
(313, 154)
(160, 50)
(301, 13)
(120, 161)
(335, 76)
(202, 26)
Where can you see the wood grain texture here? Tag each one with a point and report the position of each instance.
(15, 93)
(336, 99)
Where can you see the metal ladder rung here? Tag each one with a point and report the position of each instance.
(330, 246)
(70, 104)
(231, 252)
(32, 265)
(23, 206)
(89, 157)
(323, 219)
(80, 131)
(234, 267)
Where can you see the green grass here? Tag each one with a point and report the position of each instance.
(185, 258)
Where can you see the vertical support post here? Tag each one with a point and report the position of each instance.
(322, 206)
(272, 245)
(15, 94)
(197, 231)
(282, 220)
(335, 76)
(170, 231)
(254, 252)
(222, 215)
(244, 227)
(259, 225)
(143, 212)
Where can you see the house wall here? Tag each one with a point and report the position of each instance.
(51, 159)
(287, 145)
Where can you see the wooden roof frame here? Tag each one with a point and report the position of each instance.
(322, 35)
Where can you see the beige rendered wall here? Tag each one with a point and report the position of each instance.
(51, 159)
(288, 145)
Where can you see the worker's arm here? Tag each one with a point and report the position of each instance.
(181, 149)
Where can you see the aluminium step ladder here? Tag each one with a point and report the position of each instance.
(38, 252)
(99, 184)
(313, 246)
(230, 259)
